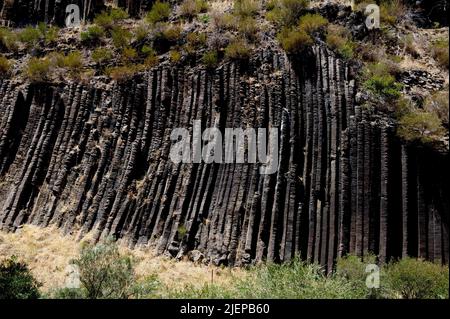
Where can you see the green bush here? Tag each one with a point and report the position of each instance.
(104, 272)
(245, 8)
(16, 280)
(191, 8)
(294, 40)
(384, 85)
(421, 126)
(30, 36)
(437, 103)
(160, 12)
(312, 23)
(129, 55)
(107, 19)
(120, 37)
(69, 293)
(286, 12)
(238, 50)
(50, 34)
(8, 39)
(141, 32)
(392, 11)
(175, 56)
(94, 33)
(210, 59)
(417, 279)
(353, 270)
(101, 55)
(338, 39)
(248, 27)
(5, 66)
(38, 70)
(440, 52)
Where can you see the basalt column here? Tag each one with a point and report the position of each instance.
(97, 161)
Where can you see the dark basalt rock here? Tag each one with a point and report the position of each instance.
(91, 160)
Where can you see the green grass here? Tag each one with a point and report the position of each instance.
(299, 280)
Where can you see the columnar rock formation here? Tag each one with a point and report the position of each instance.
(91, 160)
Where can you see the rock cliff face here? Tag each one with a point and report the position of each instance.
(91, 160)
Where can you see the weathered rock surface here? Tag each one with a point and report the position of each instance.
(88, 160)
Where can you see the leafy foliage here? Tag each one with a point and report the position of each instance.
(16, 280)
(420, 126)
(210, 59)
(286, 12)
(418, 279)
(238, 50)
(38, 70)
(294, 40)
(339, 39)
(94, 33)
(104, 272)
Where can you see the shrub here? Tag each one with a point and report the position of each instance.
(223, 21)
(384, 85)
(121, 73)
(248, 27)
(104, 272)
(245, 8)
(294, 40)
(5, 66)
(141, 32)
(338, 39)
(438, 103)
(107, 20)
(287, 12)
(392, 11)
(118, 14)
(238, 50)
(38, 70)
(210, 59)
(353, 270)
(191, 8)
(104, 20)
(120, 37)
(148, 51)
(101, 55)
(312, 23)
(160, 12)
(69, 293)
(380, 81)
(73, 62)
(16, 280)
(93, 33)
(196, 39)
(421, 126)
(417, 279)
(8, 39)
(440, 52)
(171, 33)
(30, 36)
(50, 34)
(175, 56)
(129, 55)
(409, 45)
